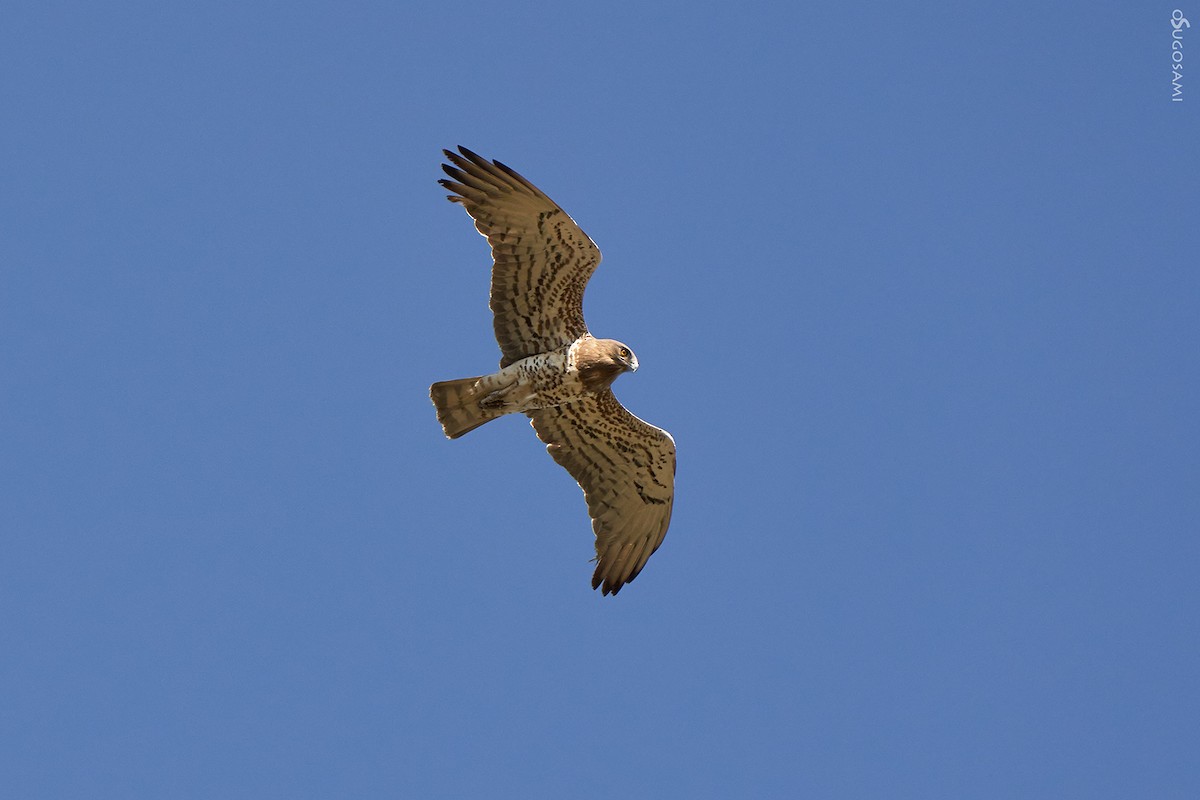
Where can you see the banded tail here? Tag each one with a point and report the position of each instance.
(458, 409)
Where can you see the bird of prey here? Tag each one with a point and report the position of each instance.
(554, 371)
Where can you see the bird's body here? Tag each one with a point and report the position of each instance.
(531, 384)
(553, 370)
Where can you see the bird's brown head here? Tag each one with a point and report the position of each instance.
(600, 361)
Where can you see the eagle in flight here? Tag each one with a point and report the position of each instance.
(554, 371)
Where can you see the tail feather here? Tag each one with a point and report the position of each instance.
(458, 409)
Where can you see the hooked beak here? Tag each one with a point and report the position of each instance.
(633, 365)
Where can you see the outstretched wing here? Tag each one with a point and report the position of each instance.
(626, 468)
(543, 260)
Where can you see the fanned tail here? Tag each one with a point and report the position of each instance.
(458, 409)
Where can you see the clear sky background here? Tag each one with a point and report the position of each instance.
(914, 286)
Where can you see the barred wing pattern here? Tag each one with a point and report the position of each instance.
(542, 258)
(626, 468)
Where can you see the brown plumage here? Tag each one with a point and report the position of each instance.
(555, 372)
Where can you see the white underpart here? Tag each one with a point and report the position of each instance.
(541, 381)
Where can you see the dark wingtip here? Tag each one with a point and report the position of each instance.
(606, 585)
(471, 154)
(453, 187)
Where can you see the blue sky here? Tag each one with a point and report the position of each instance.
(914, 287)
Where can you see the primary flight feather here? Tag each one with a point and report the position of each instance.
(554, 371)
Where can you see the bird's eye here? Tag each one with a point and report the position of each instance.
(625, 352)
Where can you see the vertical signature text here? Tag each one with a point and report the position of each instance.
(1178, 23)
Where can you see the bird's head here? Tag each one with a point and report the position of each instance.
(600, 361)
(622, 356)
